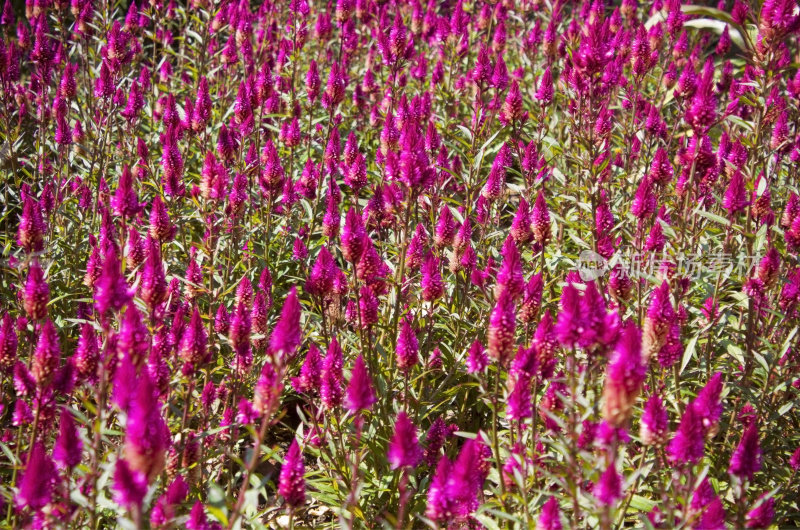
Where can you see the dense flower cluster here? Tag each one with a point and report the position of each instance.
(326, 264)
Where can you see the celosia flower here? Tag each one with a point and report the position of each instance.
(477, 360)
(36, 294)
(68, 446)
(360, 392)
(518, 403)
(130, 485)
(37, 481)
(521, 225)
(287, 335)
(310, 376)
(545, 91)
(153, 283)
(440, 506)
(431, 283)
(435, 439)
(125, 202)
(654, 427)
(509, 278)
(659, 319)
(570, 326)
(353, 236)
(688, 444)
(762, 515)
(47, 354)
(708, 402)
(496, 181)
(407, 350)
(164, 509)
(267, 393)
(8, 343)
(712, 517)
(502, 327)
(624, 378)
(465, 479)
(609, 488)
(134, 338)
(197, 518)
(735, 195)
(147, 434)
(331, 388)
(368, 304)
(32, 227)
(404, 449)
(746, 459)
(111, 290)
(550, 518)
(291, 483)
(445, 228)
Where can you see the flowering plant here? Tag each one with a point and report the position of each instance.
(307, 264)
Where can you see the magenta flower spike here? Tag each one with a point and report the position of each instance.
(465, 480)
(197, 518)
(8, 343)
(287, 335)
(68, 446)
(291, 483)
(496, 181)
(509, 278)
(268, 389)
(407, 350)
(654, 426)
(360, 392)
(445, 228)
(153, 283)
(440, 506)
(130, 486)
(431, 282)
(521, 225)
(625, 376)
(38, 480)
(502, 329)
(32, 227)
(550, 518)
(746, 459)
(320, 280)
(47, 354)
(735, 199)
(133, 340)
(609, 488)
(353, 236)
(570, 323)
(688, 444)
(36, 294)
(194, 342)
(147, 434)
(161, 228)
(477, 360)
(310, 377)
(762, 515)
(544, 93)
(518, 402)
(331, 388)
(404, 448)
(659, 320)
(708, 403)
(540, 219)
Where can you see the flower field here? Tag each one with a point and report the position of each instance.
(399, 264)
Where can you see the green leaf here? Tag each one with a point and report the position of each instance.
(711, 216)
(688, 352)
